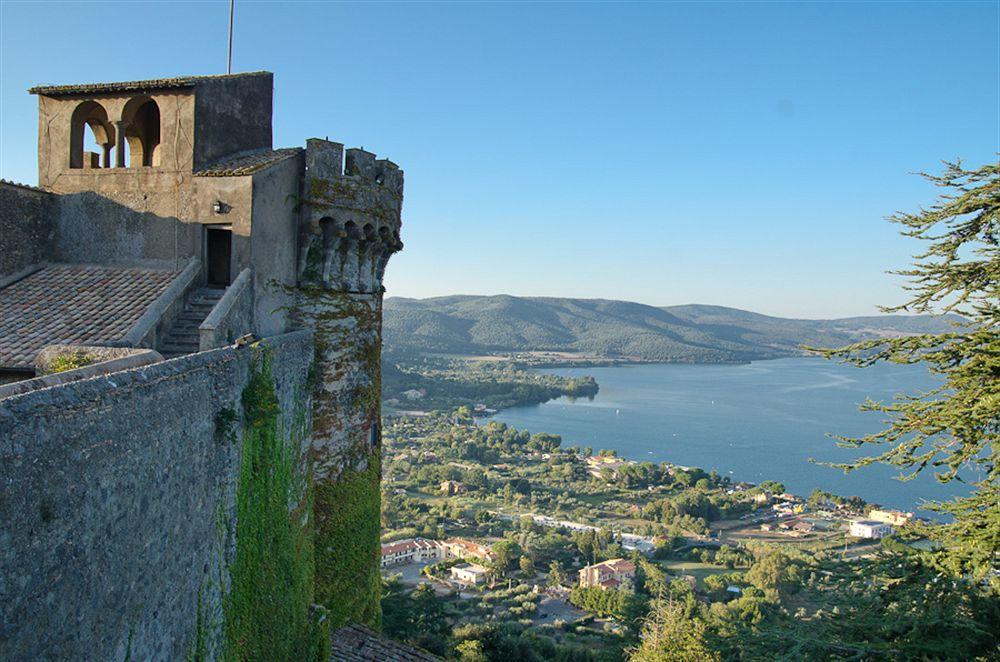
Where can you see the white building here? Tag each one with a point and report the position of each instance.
(893, 517)
(470, 574)
(866, 528)
(413, 550)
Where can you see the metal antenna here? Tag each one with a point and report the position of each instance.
(229, 64)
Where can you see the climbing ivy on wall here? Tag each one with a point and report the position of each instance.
(347, 504)
(347, 541)
(267, 609)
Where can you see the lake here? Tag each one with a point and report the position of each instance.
(754, 422)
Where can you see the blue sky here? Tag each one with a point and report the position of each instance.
(734, 154)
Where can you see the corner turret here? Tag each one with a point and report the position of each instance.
(350, 219)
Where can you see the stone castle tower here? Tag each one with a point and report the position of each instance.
(166, 226)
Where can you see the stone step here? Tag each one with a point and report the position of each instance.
(183, 337)
(207, 296)
(170, 348)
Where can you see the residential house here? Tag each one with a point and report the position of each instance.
(893, 517)
(452, 487)
(615, 573)
(459, 548)
(470, 574)
(866, 528)
(413, 550)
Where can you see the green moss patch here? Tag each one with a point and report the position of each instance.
(347, 539)
(266, 610)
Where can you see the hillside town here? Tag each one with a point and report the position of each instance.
(565, 541)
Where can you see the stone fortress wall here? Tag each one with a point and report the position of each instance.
(117, 503)
(26, 230)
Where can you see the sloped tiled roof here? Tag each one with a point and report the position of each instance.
(620, 565)
(131, 85)
(356, 643)
(406, 545)
(78, 304)
(29, 187)
(247, 163)
(471, 548)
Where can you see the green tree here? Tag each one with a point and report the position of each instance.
(715, 585)
(417, 616)
(956, 425)
(773, 486)
(668, 634)
(471, 650)
(654, 579)
(892, 606)
(557, 576)
(506, 552)
(463, 415)
(770, 571)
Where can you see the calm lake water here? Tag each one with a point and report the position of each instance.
(753, 422)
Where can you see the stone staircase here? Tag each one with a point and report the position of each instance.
(182, 338)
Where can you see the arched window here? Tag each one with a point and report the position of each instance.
(142, 131)
(90, 118)
(351, 229)
(326, 226)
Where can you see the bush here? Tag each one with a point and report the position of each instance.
(70, 361)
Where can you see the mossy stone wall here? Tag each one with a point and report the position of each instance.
(346, 445)
(121, 495)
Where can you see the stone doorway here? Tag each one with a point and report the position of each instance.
(218, 253)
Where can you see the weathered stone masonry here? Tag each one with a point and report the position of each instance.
(121, 494)
(351, 224)
(113, 491)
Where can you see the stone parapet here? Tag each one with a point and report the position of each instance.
(118, 515)
(351, 217)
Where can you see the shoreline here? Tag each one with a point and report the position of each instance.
(637, 451)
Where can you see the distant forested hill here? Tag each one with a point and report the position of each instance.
(622, 329)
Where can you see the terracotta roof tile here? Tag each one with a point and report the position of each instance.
(356, 643)
(247, 163)
(132, 85)
(79, 304)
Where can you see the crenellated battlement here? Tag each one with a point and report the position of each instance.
(327, 160)
(351, 217)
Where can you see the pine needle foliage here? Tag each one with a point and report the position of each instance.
(953, 430)
(891, 606)
(669, 634)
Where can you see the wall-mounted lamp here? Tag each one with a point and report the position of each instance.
(220, 207)
(379, 178)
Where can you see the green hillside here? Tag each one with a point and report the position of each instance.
(621, 329)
